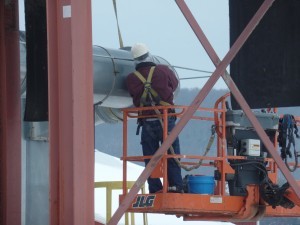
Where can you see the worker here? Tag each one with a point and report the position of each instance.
(164, 82)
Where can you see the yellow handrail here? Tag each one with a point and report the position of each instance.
(118, 185)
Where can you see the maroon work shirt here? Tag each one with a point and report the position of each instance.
(164, 82)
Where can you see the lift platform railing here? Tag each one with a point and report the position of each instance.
(219, 205)
(133, 113)
(220, 161)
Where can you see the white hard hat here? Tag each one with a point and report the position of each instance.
(138, 50)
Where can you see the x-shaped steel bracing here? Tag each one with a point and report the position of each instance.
(220, 71)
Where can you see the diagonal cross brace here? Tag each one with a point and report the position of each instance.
(234, 89)
(220, 69)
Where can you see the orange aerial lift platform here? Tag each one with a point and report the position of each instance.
(245, 180)
(257, 197)
(71, 125)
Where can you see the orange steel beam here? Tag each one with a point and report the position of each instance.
(220, 69)
(70, 76)
(231, 85)
(10, 115)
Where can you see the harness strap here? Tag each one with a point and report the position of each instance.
(286, 139)
(148, 89)
(143, 80)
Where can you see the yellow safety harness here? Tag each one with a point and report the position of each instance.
(154, 97)
(149, 92)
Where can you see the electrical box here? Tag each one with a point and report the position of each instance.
(250, 147)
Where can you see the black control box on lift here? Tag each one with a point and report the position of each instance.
(242, 140)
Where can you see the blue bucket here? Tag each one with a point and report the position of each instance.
(200, 184)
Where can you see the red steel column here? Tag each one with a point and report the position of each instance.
(221, 67)
(10, 115)
(70, 112)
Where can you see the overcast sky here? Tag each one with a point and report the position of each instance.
(161, 25)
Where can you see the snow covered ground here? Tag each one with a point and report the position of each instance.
(109, 168)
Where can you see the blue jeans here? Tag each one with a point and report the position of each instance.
(151, 138)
